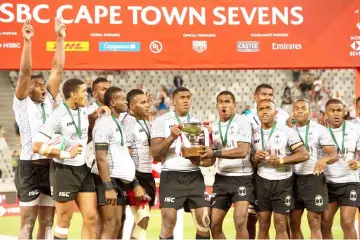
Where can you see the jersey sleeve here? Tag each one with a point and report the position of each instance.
(50, 127)
(294, 140)
(244, 132)
(325, 137)
(158, 128)
(102, 132)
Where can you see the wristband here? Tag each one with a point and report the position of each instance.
(281, 160)
(135, 183)
(108, 186)
(217, 153)
(65, 155)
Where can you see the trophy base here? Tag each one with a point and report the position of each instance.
(193, 151)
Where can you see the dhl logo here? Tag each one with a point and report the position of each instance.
(69, 46)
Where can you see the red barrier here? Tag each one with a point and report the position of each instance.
(203, 34)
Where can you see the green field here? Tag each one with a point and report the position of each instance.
(10, 225)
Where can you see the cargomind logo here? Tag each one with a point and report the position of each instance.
(248, 46)
(69, 46)
(119, 46)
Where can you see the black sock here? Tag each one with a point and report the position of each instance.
(201, 237)
(55, 237)
(172, 237)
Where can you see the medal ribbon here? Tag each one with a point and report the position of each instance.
(78, 127)
(262, 137)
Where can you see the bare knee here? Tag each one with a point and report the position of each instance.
(314, 221)
(240, 223)
(347, 223)
(280, 225)
(28, 222)
(46, 221)
(169, 222)
(91, 219)
(264, 223)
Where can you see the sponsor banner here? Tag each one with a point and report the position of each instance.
(119, 47)
(203, 34)
(69, 46)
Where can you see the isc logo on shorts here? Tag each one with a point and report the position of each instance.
(169, 199)
(64, 194)
(33, 193)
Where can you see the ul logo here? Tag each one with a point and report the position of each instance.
(319, 201)
(288, 200)
(242, 191)
(156, 46)
(353, 195)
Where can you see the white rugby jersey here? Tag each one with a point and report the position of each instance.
(356, 120)
(238, 132)
(137, 139)
(253, 118)
(92, 108)
(340, 172)
(161, 129)
(28, 115)
(60, 122)
(121, 165)
(280, 144)
(318, 137)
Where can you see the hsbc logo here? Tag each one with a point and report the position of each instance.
(10, 45)
(356, 45)
(69, 46)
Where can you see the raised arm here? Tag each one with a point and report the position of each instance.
(58, 60)
(24, 81)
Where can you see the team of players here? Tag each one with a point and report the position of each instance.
(264, 161)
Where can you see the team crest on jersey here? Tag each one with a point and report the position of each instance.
(319, 201)
(353, 195)
(242, 191)
(288, 200)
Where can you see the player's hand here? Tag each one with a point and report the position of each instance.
(175, 131)
(75, 150)
(322, 121)
(140, 193)
(103, 110)
(206, 153)
(150, 98)
(60, 28)
(289, 121)
(27, 30)
(354, 164)
(111, 197)
(260, 156)
(320, 166)
(273, 160)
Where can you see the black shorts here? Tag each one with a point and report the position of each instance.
(120, 188)
(230, 189)
(310, 192)
(66, 181)
(147, 182)
(346, 194)
(31, 180)
(183, 189)
(274, 195)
